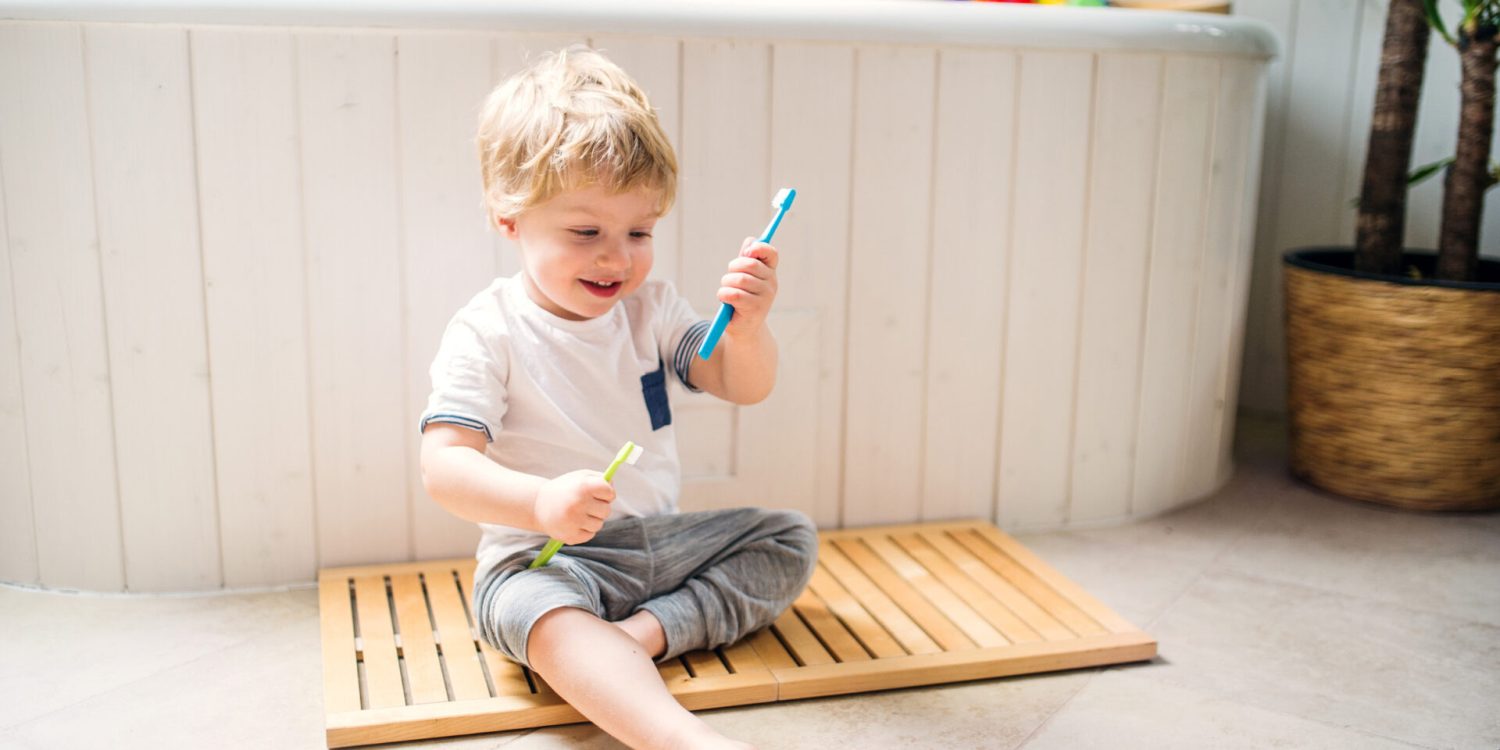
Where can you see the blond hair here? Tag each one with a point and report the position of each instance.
(571, 119)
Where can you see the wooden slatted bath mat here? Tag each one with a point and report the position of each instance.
(888, 607)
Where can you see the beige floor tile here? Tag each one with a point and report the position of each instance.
(986, 714)
(1439, 563)
(1137, 713)
(1380, 669)
(59, 649)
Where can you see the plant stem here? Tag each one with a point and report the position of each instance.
(1381, 227)
(1468, 178)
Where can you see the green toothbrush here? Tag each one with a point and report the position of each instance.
(627, 455)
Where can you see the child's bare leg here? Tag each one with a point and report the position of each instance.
(608, 676)
(646, 630)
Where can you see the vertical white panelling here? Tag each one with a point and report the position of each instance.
(1127, 118)
(54, 258)
(1219, 279)
(511, 53)
(976, 111)
(17, 530)
(655, 66)
(1190, 90)
(244, 95)
(1437, 132)
(1308, 206)
(140, 105)
(811, 127)
(346, 88)
(888, 283)
(1259, 387)
(1054, 108)
(1254, 112)
(723, 196)
(448, 256)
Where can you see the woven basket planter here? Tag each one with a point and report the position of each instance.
(1393, 384)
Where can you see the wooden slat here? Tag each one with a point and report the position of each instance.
(932, 622)
(1057, 581)
(1002, 619)
(951, 606)
(378, 643)
(877, 592)
(908, 633)
(855, 617)
(769, 649)
(340, 669)
(930, 669)
(1035, 617)
(424, 674)
(507, 677)
(705, 664)
(454, 636)
(828, 629)
(800, 641)
(1036, 590)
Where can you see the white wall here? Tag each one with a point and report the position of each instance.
(1013, 288)
(1322, 92)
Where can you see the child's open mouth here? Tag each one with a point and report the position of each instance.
(601, 288)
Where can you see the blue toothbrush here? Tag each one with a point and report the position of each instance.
(781, 203)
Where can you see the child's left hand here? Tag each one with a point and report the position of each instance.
(750, 286)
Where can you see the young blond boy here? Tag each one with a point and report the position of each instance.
(543, 376)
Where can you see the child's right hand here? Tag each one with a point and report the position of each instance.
(573, 507)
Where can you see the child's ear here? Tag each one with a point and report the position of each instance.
(506, 226)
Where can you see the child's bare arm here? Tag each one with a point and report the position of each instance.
(458, 475)
(742, 369)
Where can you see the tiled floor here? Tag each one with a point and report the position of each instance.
(1286, 619)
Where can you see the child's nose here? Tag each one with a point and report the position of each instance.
(614, 255)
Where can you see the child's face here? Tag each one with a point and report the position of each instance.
(585, 249)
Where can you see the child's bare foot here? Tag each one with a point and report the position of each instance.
(700, 736)
(646, 630)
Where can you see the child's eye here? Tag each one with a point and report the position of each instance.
(640, 235)
(585, 232)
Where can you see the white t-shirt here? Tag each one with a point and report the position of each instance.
(555, 395)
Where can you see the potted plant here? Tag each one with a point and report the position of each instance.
(1393, 355)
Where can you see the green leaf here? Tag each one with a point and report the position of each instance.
(1426, 171)
(1435, 20)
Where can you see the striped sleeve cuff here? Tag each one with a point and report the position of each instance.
(687, 348)
(460, 420)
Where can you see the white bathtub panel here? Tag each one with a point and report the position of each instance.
(1253, 110)
(724, 192)
(347, 99)
(244, 94)
(512, 52)
(18, 538)
(1221, 280)
(1127, 119)
(888, 276)
(1041, 332)
(447, 251)
(1176, 272)
(976, 116)
(146, 188)
(54, 256)
(656, 64)
(812, 123)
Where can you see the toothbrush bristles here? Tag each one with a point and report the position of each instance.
(635, 454)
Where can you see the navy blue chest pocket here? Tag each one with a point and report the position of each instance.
(654, 388)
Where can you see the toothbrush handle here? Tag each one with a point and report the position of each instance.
(726, 310)
(551, 548)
